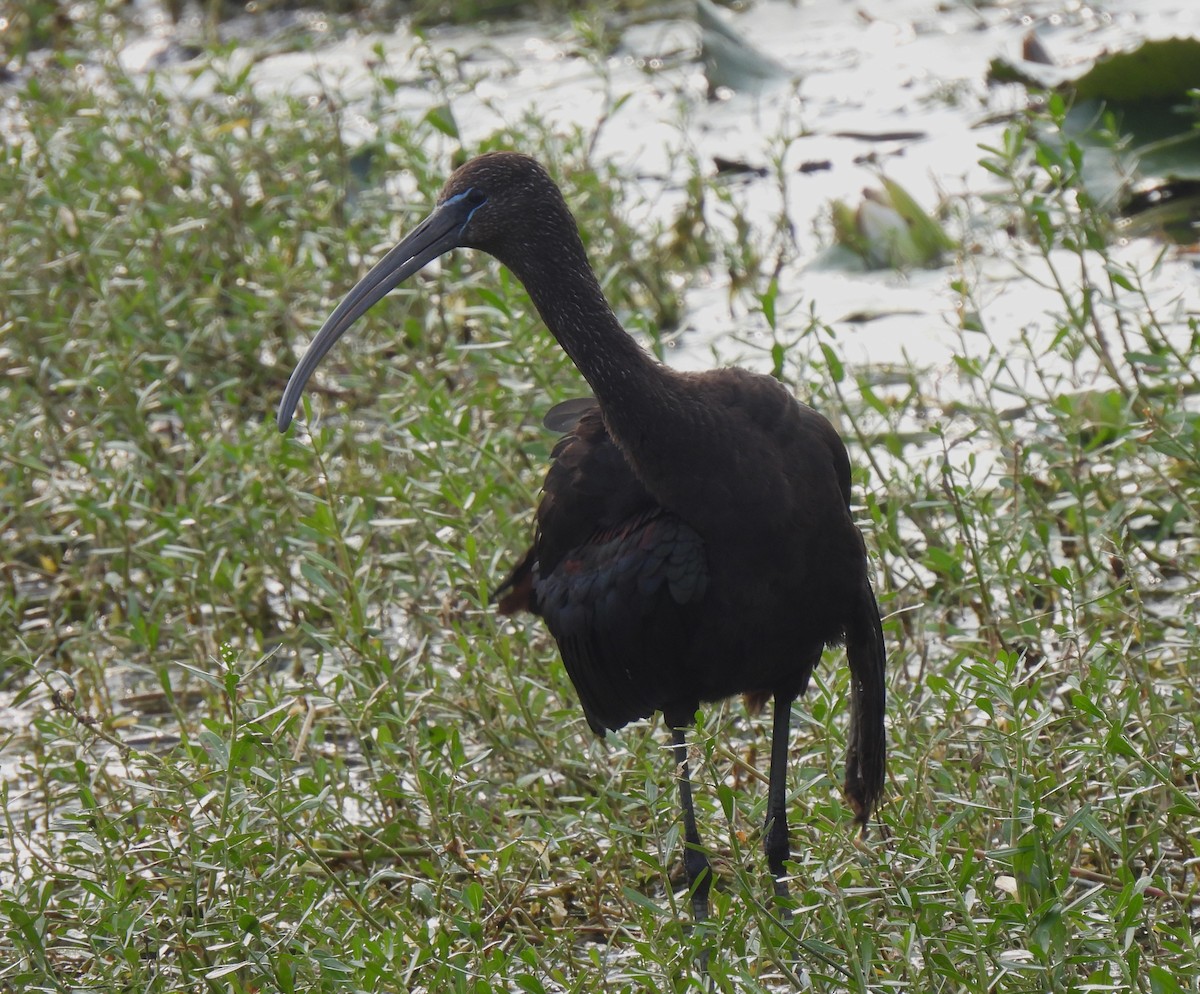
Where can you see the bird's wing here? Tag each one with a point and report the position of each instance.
(583, 453)
(589, 487)
(588, 483)
(618, 606)
(612, 573)
(867, 753)
(564, 416)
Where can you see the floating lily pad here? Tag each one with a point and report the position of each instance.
(731, 62)
(1164, 69)
(1155, 70)
(1145, 93)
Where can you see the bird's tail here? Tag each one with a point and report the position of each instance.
(866, 756)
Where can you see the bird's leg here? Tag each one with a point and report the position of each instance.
(775, 832)
(695, 862)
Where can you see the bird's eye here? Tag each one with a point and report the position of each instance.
(471, 199)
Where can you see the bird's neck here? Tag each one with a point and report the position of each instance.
(652, 416)
(631, 386)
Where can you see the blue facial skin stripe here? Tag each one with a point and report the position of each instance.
(459, 196)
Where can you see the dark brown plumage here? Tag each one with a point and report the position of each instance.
(694, 539)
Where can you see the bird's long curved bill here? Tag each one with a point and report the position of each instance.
(434, 236)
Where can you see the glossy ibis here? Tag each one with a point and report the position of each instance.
(693, 539)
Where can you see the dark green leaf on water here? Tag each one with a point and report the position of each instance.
(1131, 123)
(730, 62)
(1156, 70)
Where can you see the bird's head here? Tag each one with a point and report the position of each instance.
(503, 198)
(493, 202)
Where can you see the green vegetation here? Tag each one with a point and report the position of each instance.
(264, 734)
